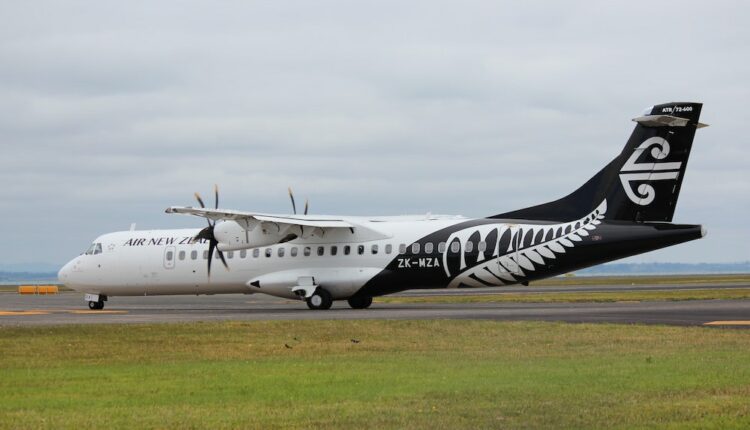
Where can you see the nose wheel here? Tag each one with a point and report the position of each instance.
(96, 305)
(321, 299)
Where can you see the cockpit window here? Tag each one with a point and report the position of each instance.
(95, 248)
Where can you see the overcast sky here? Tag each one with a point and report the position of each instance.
(112, 111)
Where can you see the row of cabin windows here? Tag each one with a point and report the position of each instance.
(333, 250)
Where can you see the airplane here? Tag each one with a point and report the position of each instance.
(623, 210)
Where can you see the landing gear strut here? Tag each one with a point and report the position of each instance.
(321, 299)
(360, 302)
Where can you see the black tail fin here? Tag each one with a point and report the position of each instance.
(643, 182)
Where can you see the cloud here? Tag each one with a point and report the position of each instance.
(109, 112)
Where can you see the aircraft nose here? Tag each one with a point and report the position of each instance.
(63, 276)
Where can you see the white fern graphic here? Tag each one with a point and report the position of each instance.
(536, 245)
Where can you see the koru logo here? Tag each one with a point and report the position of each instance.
(645, 193)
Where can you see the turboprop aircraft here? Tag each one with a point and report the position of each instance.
(624, 210)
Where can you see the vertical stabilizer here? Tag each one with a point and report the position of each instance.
(644, 181)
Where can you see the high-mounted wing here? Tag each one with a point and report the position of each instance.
(230, 215)
(249, 229)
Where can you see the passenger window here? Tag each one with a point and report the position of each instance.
(347, 249)
(269, 252)
(441, 247)
(205, 255)
(256, 252)
(415, 248)
(307, 251)
(321, 250)
(243, 253)
(193, 255)
(428, 248)
(230, 254)
(169, 255)
(455, 246)
(374, 249)
(281, 251)
(482, 246)
(181, 255)
(402, 249)
(334, 250)
(360, 249)
(388, 248)
(469, 246)
(293, 251)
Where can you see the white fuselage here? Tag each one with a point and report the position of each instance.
(162, 262)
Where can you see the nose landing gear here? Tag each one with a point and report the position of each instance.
(96, 301)
(96, 305)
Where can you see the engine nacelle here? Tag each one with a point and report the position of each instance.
(232, 236)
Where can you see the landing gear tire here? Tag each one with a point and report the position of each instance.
(320, 300)
(360, 302)
(96, 305)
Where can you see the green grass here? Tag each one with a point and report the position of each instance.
(576, 297)
(401, 374)
(644, 280)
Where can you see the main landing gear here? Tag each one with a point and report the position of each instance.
(360, 302)
(321, 299)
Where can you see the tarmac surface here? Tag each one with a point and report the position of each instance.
(69, 308)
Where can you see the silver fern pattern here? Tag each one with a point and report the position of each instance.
(507, 253)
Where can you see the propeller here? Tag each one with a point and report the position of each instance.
(294, 208)
(294, 205)
(208, 232)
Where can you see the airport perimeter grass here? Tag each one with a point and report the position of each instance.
(398, 374)
(577, 297)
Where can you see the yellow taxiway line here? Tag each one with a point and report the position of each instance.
(728, 323)
(96, 312)
(58, 311)
(14, 313)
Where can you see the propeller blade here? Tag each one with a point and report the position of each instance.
(216, 196)
(211, 246)
(221, 257)
(200, 200)
(306, 206)
(291, 196)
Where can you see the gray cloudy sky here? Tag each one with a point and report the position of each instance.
(112, 111)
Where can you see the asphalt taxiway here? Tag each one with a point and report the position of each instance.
(69, 308)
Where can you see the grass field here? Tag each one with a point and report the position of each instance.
(398, 374)
(578, 297)
(644, 280)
